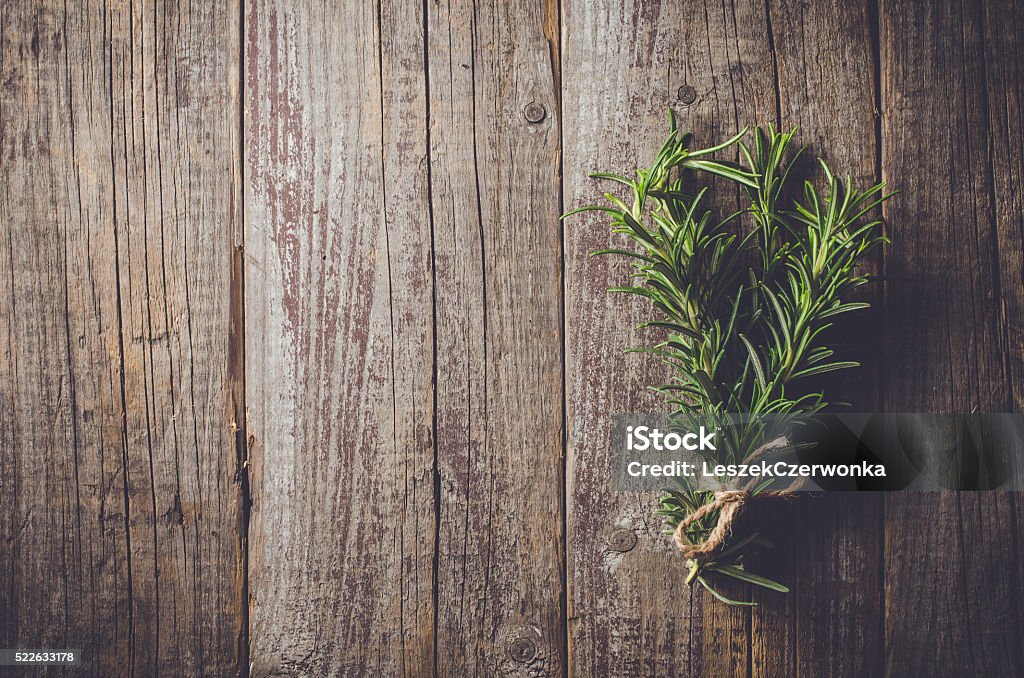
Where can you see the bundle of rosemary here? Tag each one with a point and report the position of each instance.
(742, 318)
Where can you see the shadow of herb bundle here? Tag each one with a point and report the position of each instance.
(742, 317)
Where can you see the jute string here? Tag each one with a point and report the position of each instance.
(728, 503)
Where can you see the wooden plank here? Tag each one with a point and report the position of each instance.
(1003, 38)
(121, 502)
(494, 164)
(630, 613)
(726, 59)
(825, 58)
(409, 234)
(338, 345)
(952, 612)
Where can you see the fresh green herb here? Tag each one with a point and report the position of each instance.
(743, 317)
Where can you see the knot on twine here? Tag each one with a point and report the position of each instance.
(728, 503)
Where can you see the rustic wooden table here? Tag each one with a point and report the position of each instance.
(300, 373)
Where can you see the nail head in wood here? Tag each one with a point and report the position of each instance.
(534, 112)
(687, 95)
(522, 649)
(622, 540)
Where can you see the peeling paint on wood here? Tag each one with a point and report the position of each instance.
(300, 374)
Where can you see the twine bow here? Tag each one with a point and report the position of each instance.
(728, 503)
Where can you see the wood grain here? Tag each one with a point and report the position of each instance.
(360, 313)
(630, 613)
(726, 55)
(952, 612)
(494, 167)
(337, 342)
(825, 55)
(411, 268)
(1003, 39)
(121, 502)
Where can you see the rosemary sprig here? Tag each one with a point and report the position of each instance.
(743, 318)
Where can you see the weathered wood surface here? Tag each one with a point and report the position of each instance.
(120, 198)
(629, 612)
(494, 173)
(338, 311)
(363, 292)
(827, 82)
(952, 586)
(381, 336)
